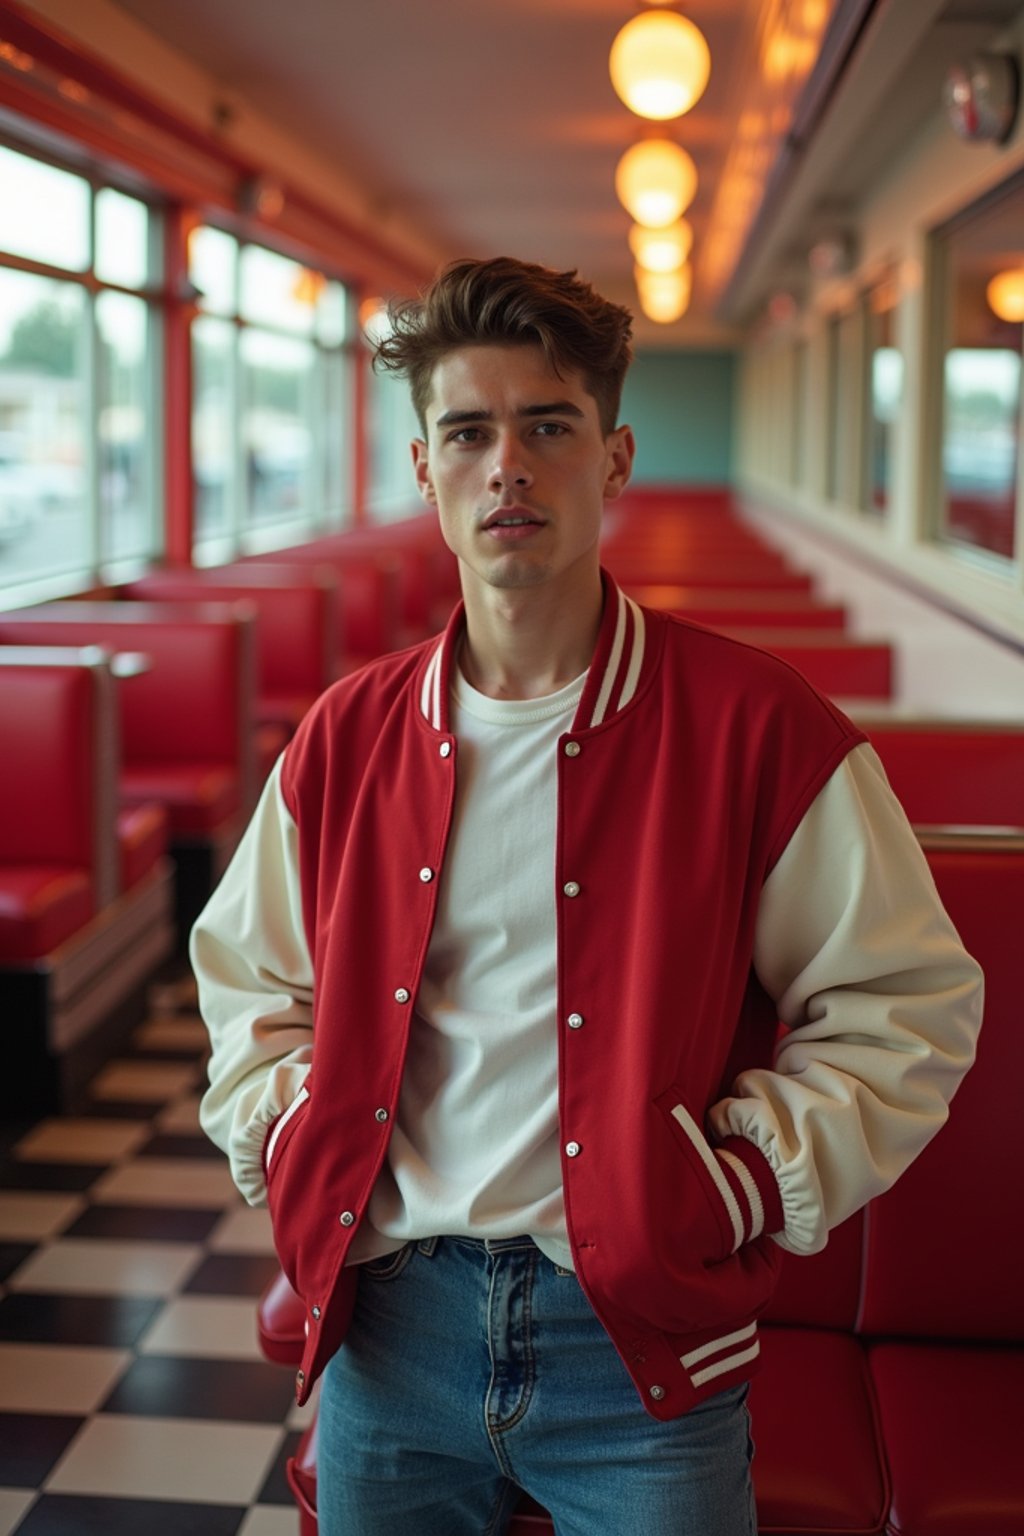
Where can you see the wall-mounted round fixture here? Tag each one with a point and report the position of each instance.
(661, 250)
(981, 97)
(659, 64)
(664, 296)
(261, 196)
(656, 181)
(1005, 295)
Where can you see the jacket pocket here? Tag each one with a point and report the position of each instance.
(707, 1171)
(282, 1130)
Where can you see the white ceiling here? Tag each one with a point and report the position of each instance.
(492, 126)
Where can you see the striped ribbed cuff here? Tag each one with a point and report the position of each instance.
(753, 1184)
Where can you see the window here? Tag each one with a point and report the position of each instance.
(979, 474)
(844, 410)
(271, 442)
(392, 426)
(79, 493)
(884, 396)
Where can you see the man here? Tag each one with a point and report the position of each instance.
(494, 983)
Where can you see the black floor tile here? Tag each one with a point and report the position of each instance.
(12, 1256)
(120, 1109)
(64, 1514)
(31, 1443)
(137, 1223)
(72, 1177)
(164, 1145)
(249, 1391)
(275, 1488)
(233, 1274)
(113, 1322)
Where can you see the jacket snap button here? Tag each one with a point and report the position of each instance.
(575, 1021)
(300, 1377)
(573, 1149)
(572, 749)
(381, 1115)
(426, 875)
(445, 749)
(401, 994)
(346, 1218)
(571, 888)
(316, 1314)
(657, 1393)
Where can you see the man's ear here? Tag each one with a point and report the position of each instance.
(421, 469)
(621, 447)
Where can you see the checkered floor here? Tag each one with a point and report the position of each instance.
(133, 1397)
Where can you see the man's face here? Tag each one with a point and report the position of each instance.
(517, 465)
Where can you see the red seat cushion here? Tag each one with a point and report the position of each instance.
(199, 797)
(142, 834)
(284, 709)
(951, 1417)
(818, 1464)
(41, 905)
(281, 1322)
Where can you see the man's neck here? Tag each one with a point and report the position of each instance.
(528, 643)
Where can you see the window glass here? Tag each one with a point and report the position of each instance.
(276, 291)
(277, 395)
(44, 502)
(44, 212)
(332, 315)
(122, 239)
(981, 378)
(885, 394)
(124, 450)
(213, 415)
(335, 459)
(213, 269)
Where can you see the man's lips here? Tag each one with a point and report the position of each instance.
(511, 517)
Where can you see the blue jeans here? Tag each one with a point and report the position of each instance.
(474, 1370)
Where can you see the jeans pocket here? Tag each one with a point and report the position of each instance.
(388, 1266)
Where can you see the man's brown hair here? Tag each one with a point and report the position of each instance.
(504, 302)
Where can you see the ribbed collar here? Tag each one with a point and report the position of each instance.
(612, 681)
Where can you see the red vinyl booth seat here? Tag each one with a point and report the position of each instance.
(142, 836)
(834, 664)
(41, 905)
(952, 772)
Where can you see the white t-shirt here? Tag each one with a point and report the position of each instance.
(475, 1150)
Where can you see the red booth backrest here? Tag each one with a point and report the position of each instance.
(945, 1250)
(297, 628)
(48, 777)
(953, 772)
(188, 705)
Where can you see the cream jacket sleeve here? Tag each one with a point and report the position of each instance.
(255, 979)
(882, 1004)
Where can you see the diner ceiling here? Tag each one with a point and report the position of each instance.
(491, 125)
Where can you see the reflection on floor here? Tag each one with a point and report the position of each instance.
(133, 1397)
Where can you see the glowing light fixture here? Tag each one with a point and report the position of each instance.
(661, 250)
(1005, 295)
(660, 64)
(656, 181)
(664, 296)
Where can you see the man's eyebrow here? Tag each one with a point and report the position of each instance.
(545, 408)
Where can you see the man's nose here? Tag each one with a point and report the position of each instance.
(508, 468)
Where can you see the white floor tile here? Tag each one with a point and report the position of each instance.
(167, 1181)
(246, 1230)
(82, 1141)
(50, 1378)
(83, 1266)
(301, 1418)
(143, 1082)
(15, 1501)
(205, 1327)
(28, 1218)
(267, 1521)
(181, 1118)
(207, 1462)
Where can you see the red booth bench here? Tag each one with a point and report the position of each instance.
(185, 719)
(85, 917)
(892, 1366)
(952, 771)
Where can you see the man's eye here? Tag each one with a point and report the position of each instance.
(465, 435)
(551, 429)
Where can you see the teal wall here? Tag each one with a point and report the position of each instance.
(680, 406)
